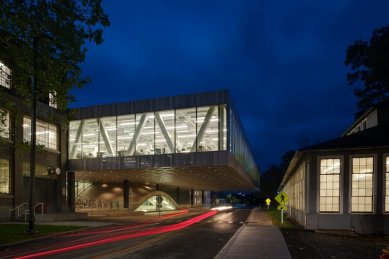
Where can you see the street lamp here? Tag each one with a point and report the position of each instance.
(31, 216)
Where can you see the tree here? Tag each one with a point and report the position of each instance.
(272, 177)
(369, 62)
(60, 30)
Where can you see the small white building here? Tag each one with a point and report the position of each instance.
(343, 184)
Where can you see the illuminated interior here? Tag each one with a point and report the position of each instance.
(362, 184)
(151, 204)
(4, 176)
(5, 74)
(197, 129)
(329, 185)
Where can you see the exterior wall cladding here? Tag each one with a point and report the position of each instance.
(236, 142)
(309, 215)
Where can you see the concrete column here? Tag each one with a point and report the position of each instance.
(191, 197)
(178, 195)
(71, 191)
(126, 194)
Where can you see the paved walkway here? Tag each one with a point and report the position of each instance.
(258, 238)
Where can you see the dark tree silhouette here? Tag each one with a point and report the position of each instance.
(60, 30)
(369, 62)
(272, 177)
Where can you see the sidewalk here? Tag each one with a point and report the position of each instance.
(258, 238)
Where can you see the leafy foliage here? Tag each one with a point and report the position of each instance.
(369, 62)
(272, 177)
(60, 30)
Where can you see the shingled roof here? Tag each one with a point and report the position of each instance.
(372, 137)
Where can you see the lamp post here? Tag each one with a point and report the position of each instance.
(31, 216)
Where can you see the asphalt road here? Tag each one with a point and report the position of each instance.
(201, 236)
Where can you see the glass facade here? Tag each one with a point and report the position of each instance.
(362, 184)
(151, 204)
(5, 74)
(4, 176)
(46, 133)
(239, 146)
(4, 124)
(196, 129)
(329, 200)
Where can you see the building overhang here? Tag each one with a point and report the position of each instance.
(215, 171)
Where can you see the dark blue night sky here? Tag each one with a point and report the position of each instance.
(283, 61)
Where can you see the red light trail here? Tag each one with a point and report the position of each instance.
(138, 233)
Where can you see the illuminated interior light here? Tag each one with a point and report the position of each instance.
(188, 136)
(167, 115)
(126, 123)
(125, 137)
(147, 133)
(178, 127)
(183, 131)
(104, 185)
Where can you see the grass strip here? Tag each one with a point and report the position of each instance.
(11, 233)
(275, 215)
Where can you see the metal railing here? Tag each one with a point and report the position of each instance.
(16, 210)
(27, 212)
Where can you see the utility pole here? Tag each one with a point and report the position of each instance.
(31, 216)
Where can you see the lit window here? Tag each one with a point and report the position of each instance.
(52, 99)
(329, 185)
(125, 134)
(4, 124)
(4, 176)
(207, 128)
(362, 184)
(5, 74)
(46, 133)
(387, 185)
(107, 130)
(40, 169)
(186, 130)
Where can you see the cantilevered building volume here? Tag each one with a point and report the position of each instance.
(158, 153)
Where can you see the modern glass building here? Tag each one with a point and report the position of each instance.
(179, 148)
(157, 154)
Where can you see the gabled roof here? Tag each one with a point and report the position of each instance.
(381, 105)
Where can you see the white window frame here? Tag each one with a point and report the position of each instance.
(374, 182)
(341, 184)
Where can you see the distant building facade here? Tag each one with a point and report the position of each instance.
(15, 133)
(343, 184)
(180, 148)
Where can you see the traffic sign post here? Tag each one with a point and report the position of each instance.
(282, 198)
(268, 203)
(159, 204)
